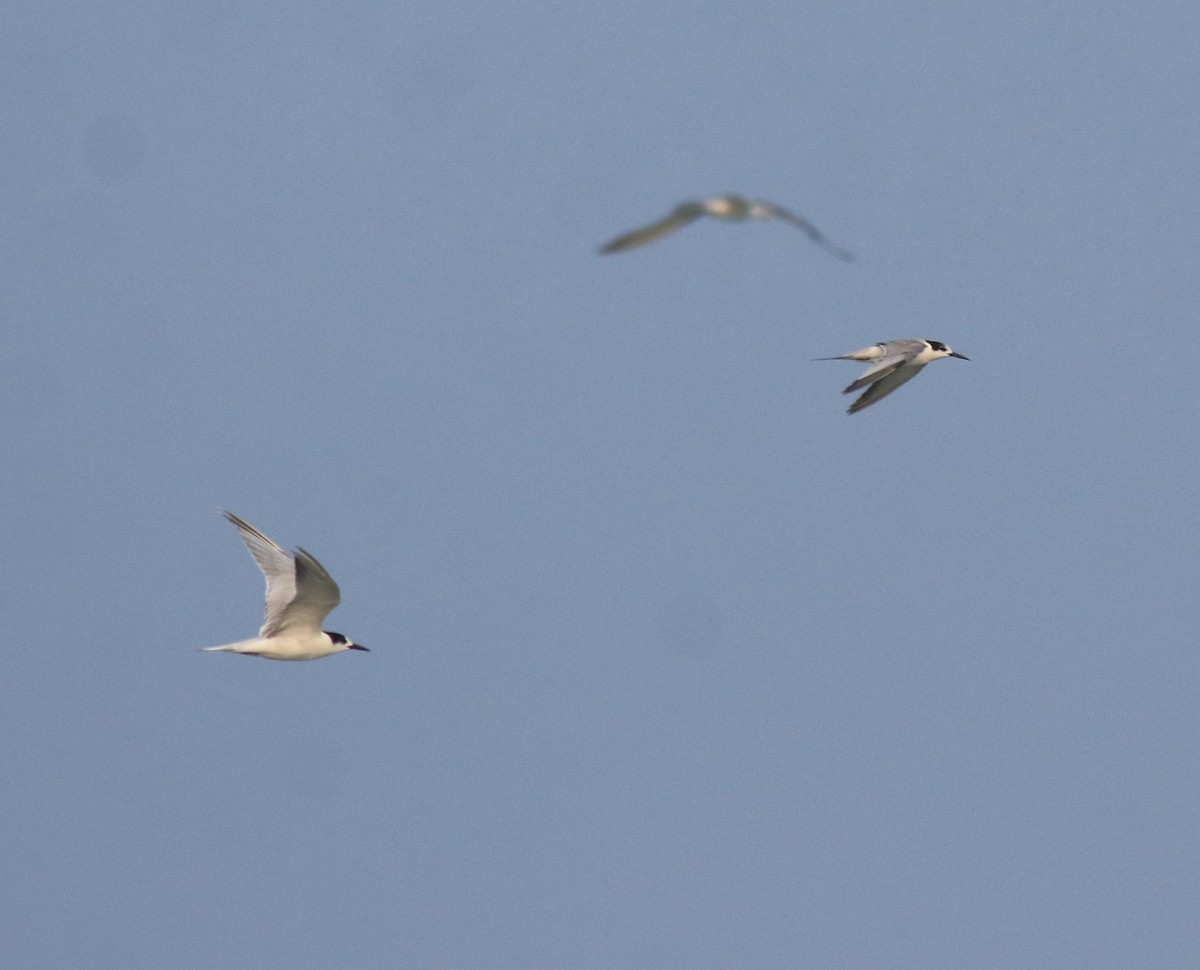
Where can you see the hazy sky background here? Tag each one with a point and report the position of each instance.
(674, 665)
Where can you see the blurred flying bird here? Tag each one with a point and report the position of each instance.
(732, 207)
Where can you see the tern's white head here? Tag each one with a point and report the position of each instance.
(938, 349)
(343, 642)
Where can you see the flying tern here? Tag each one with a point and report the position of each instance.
(893, 363)
(300, 594)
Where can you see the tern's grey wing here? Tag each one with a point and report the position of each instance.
(277, 566)
(316, 595)
(813, 233)
(884, 386)
(877, 371)
(909, 348)
(680, 216)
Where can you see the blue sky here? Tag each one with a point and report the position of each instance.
(673, 664)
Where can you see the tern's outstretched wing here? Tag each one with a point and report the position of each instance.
(316, 595)
(813, 233)
(877, 371)
(680, 216)
(277, 566)
(881, 388)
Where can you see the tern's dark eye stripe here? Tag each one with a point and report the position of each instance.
(336, 637)
(937, 345)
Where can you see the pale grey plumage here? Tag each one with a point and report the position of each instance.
(894, 364)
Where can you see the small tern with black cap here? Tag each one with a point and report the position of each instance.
(300, 594)
(893, 363)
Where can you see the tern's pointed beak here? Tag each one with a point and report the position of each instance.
(357, 646)
(955, 353)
